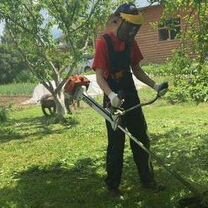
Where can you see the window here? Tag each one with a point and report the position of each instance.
(169, 29)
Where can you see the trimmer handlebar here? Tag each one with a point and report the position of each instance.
(161, 91)
(122, 111)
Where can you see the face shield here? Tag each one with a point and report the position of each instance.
(129, 26)
(127, 31)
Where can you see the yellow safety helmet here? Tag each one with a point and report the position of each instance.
(137, 19)
(130, 13)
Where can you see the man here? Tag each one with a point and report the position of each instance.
(117, 57)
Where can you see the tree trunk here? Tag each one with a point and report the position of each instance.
(60, 106)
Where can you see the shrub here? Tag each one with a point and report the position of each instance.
(190, 80)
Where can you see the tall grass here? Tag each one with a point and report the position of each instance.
(17, 89)
(3, 114)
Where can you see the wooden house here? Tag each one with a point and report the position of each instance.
(158, 42)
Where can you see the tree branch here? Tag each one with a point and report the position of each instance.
(61, 84)
(48, 86)
(41, 41)
(90, 15)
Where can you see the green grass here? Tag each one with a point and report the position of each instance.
(16, 89)
(63, 165)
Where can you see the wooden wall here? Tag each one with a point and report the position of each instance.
(154, 50)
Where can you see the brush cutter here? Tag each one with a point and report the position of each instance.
(199, 199)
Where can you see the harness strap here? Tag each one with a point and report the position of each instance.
(111, 51)
(110, 47)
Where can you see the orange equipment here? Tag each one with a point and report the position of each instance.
(75, 81)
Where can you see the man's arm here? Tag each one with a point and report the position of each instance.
(143, 77)
(102, 82)
(114, 99)
(161, 89)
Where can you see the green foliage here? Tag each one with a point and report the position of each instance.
(199, 86)
(13, 69)
(190, 80)
(181, 63)
(159, 69)
(25, 76)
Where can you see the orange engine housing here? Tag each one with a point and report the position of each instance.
(75, 81)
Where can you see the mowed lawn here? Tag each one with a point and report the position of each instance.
(46, 165)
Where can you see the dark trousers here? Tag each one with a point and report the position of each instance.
(135, 122)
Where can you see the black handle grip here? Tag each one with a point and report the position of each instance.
(163, 86)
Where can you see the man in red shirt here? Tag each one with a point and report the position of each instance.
(117, 57)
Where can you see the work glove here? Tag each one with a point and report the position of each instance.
(161, 89)
(115, 100)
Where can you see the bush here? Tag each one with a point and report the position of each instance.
(190, 80)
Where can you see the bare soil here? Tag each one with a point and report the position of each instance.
(16, 101)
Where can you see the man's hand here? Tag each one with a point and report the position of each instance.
(161, 89)
(114, 99)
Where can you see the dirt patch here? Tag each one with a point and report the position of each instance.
(13, 100)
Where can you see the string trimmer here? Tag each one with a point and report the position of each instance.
(198, 200)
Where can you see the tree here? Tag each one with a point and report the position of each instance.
(30, 24)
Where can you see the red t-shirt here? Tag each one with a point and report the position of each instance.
(101, 59)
